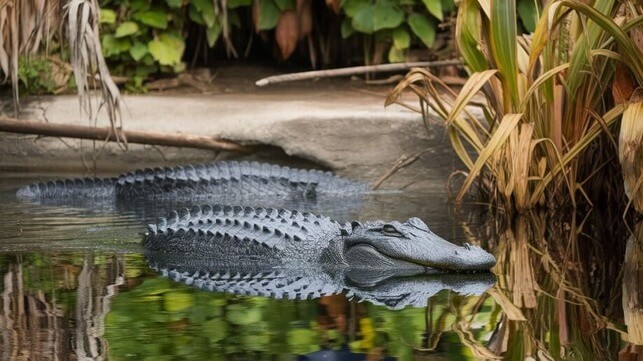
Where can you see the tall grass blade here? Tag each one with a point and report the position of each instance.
(494, 145)
(468, 37)
(503, 46)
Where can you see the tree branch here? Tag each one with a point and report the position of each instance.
(107, 134)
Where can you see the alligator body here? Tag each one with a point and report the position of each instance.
(279, 238)
(200, 181)
(394, 289)
(150, 193)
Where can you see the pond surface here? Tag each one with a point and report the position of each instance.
(75, 285)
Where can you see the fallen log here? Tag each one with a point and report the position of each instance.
(22, 126)
(329, 73)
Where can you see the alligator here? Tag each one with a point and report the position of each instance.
(394, 289)
(279, 238)
(199, 181)
(150, 193)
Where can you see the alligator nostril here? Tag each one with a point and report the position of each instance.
(467, 246)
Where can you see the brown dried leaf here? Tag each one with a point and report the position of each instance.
(287, 33)
(623, 85)
(255, 15)
(334, 5)
(305, 13)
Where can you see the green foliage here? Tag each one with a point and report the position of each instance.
(144, 37)
(394, 21)
(268, 14)
(39, 75)
(141, 37)
(35, 75)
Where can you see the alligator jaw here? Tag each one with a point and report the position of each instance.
(412, 243)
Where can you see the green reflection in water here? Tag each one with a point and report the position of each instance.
(160, 319)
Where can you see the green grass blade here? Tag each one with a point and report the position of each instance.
(468, 37)
(503, 47)
(632, 54)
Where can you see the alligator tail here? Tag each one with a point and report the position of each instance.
(70, 188)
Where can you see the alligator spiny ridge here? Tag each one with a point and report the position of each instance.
(198, 181)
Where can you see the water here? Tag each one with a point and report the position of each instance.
(75, 285)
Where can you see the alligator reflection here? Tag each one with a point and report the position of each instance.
(394, 289)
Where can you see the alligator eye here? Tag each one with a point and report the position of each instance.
(389, 230)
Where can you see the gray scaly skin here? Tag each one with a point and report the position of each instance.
(202, 181)
(283, 238)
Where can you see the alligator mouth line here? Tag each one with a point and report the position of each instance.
(412, 263)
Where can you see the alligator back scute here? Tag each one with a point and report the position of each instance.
(218, 180)
(69, 188)
(225, 231)
(203, 180)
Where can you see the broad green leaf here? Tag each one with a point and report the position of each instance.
(284, 5)
(386, 16)
(363, 20)
(140, 5)
(212, 34)
(352, 7)
(174, 3)
(167, 49)
(233, 4)
(113, 46)
(423, 28)
(528, 11)
(268, 14)
(434, 7)
(125, 29)
(401, 38)
(110, 46)
(195, 15)
(155, 18)
(107, 16)
(396, 55)
(138, 50)
(206, 9)
(347, 28)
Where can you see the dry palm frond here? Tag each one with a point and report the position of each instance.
(26, 24)
(87, 57)
(633, 287)
(630, 153)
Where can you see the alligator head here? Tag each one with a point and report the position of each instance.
(409, 245)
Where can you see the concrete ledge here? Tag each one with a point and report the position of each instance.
(348, 131)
